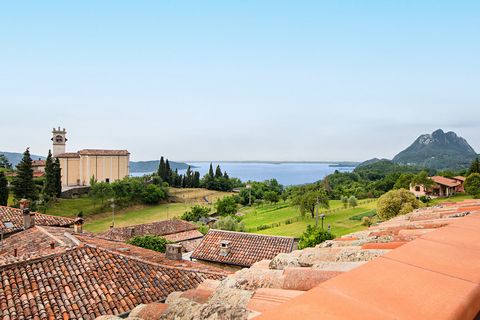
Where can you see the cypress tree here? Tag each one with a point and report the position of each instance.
(161, 169)
(210, 171)
(57, 173)
(225, 175)
(188, 178)
(23, 184)
(49, 188)
(474, 167)
(168, 172)
(196, 179)
(218, 172)
(3, 189)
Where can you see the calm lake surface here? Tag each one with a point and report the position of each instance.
(285, 173)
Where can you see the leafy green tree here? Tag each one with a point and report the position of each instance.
(23, 184)
(404, 181)
(396, 202)
(474, 167)
(4, 163)
(308, 198)
(154, 243)
(423, 179)
(352, 201)
(3, 190)
(152, 194)
(344, 200)
(271, 196)
(195, 213)
(229, 223)
(226, 206)
(101, 191)
(313, 236)
(472, 185)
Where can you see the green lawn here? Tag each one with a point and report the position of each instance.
(135, 215)
(71, 207)
(455, 198)
(339, 219)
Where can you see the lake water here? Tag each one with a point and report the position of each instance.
(285, 173)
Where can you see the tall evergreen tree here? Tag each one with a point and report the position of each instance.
(218, 172)
(162, 169)
(210, 171)
(23, 184)
(188, 178)
(4, 163)
(168, 172)
(3, 189)
(474, 167)
(50, 188)
(57, 173)
(196, 179)
(225, 175)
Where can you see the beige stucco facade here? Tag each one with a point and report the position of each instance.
(102, 165)
(78, 168)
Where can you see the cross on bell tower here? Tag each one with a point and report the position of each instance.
(59, 141)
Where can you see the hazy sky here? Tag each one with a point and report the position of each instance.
(238, 80)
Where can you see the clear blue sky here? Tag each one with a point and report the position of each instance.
(238, 80)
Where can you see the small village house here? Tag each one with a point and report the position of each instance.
(442, 187)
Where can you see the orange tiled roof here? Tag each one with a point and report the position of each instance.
(68, 155)
(445, 181)
(245, 248)
(15, 216)
(159, 228)
(38, 163)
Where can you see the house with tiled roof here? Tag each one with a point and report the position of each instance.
(422, 265)
(62, 273)
(442, 187)
(174, 230)
(13, 220)
(240, 248)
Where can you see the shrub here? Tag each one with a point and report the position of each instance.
(226, 206)
(155, 243)
(229, 223)
(152, 194)
(203, 229)
(472, 185)
(195, 213)
(352, 201)
(396, 202)
(366, 221)
(313, 236)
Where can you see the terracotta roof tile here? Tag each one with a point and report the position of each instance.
(15, 216)
(244, 248)
(100, 152)
(446, 181)
(87, 276)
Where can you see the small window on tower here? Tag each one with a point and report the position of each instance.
(107, 180)
(59, 139)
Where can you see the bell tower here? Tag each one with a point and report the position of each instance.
(59, 141)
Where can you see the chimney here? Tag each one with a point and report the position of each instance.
(28, 217)
(15, 252)
(224, 248)
(174, 251)
(78, 225)
(52, 245)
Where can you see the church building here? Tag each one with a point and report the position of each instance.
(79, 167)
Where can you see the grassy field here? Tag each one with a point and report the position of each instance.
(135, 215)
(197, 195)
(96, 221)
(338, 218)
(455, 198)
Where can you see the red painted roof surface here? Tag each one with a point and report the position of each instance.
(244, 248)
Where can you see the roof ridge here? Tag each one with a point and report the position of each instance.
(99, 247)
(250, 234)
(50, 235)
